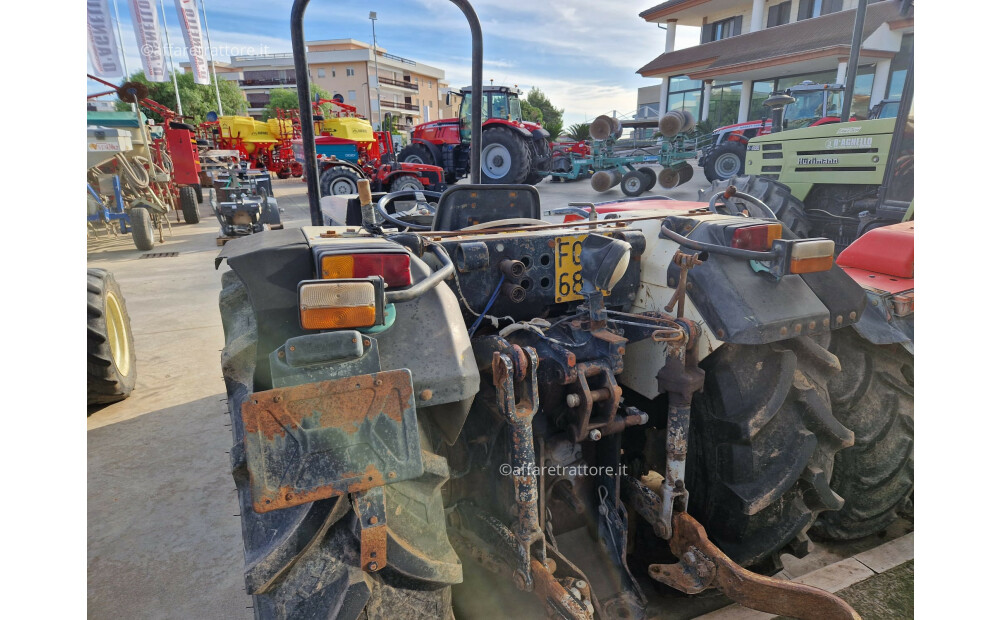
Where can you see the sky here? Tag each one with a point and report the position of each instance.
(583, 54)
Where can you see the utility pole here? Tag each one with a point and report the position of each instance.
(121, 42)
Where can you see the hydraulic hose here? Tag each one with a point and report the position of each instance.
(418, 289)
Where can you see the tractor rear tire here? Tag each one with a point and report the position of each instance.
(338, 180)
(726, 161)
(416, 154)
(634, 183)
(299, 565)
(506, 158)
(762, 447)
(189, 205)
(111, 368)
(142, 228)
(406, 183)
(198, 193)
(534, 176)
(789, 209)
(873, 397)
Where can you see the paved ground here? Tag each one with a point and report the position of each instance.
(163, 537)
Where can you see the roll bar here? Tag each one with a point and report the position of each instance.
(305, 104)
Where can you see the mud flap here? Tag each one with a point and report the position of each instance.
(319, 440)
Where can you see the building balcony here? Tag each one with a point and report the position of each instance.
(268, 82)
(398, 105)
(398, 83)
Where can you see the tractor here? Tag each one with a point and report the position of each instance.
(514, 150)
(348, 151)
(815, 104)
(652, 394)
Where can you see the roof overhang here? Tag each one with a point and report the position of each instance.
(688, 12)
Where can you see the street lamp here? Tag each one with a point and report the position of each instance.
(372, 15)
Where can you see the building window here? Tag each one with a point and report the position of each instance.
(722, 29)
(684, 94)
(814, 8)
(779, 14)
(350, 72)
(333, 72)
(724, 104)
(321, 72)
(898, 67)
(352, 95)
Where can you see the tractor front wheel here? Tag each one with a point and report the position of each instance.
(110, 352)
(406, 183)
(725, 161)
(505, 158)
(189, 205)
(338, 180)
(416, 154)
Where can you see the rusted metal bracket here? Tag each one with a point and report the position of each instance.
(566, 598)
(518, 408)
(369, 506)
(685, 262)
(703, 565)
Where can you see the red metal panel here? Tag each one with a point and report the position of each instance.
(887, 250)
(184, 155)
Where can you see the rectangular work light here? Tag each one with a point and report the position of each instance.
(340, 304)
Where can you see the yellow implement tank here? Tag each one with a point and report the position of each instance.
(254, 134)
(349, 128)
(280, 128)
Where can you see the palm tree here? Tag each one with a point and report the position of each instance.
(579, 131)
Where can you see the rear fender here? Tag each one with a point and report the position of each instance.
(509, 125)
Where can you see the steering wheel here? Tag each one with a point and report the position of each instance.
(730, 209)
(420, 196)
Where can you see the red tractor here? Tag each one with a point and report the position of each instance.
(514, 151)
(815, 104)
(348, 151)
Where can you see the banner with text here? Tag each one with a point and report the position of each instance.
(187, 15)
(101, 43)
(147, 36)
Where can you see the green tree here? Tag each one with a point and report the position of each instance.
(197, 99)
(288, 99)
(579, 131)
(542, 111)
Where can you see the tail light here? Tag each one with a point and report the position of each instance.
(902, 304)
(758, 237)
(393, 268)
(340, 304)
(811, 255)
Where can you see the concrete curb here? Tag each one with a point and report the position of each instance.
(836, 576)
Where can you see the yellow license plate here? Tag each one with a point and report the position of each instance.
(568, 280)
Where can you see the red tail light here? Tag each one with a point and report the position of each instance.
(394, 268)
(758, 237)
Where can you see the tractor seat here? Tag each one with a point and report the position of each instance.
(462, 206)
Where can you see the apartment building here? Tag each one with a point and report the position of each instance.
(402, 89)
(750, 48)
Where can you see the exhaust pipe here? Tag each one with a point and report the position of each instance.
(777, 102)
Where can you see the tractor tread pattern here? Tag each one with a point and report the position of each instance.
(189, 204)
(104, 383)
(763, 442)
(520, 153)
(874, 398)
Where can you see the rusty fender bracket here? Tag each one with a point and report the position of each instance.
(702, 565)
(319, 440)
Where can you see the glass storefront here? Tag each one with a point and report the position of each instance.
(863, 83)
(724, 103)
(684, 94)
